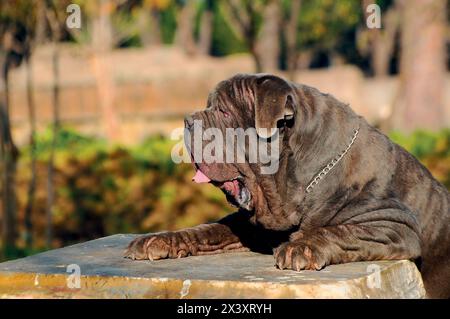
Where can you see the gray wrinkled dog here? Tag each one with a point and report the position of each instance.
(343, 191)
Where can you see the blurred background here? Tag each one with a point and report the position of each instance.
(90, 91)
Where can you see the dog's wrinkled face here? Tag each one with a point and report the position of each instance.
(258, 103)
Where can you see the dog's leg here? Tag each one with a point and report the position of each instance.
(394, 237)
(232, 233)
(199, 240)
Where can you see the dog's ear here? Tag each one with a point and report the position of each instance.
(274, 102)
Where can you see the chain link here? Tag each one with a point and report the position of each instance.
(331, 164)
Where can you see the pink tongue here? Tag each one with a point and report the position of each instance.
(199, 177)
(232, 187)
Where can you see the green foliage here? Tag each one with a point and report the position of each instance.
(9, 253)
(432, 149)
(224, 41)
(17, 11)
(67, 139)
(323, 23)
(325, 26)
(384, 4)
(168, 23)
(154, 152)
(423, 144)
(106, 189)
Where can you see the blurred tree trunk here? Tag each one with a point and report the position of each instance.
(251, 34)
(304, 59)
(150, 30)
(420, 101)
(291, 33)
(268, 45)
(204, 45)
(40, 34)
(241, 16)
(55, 130)
(184, 37)
(155, 26)
(8, 151)
(55, 27)
(102, 45)
(31, 41)
(335, 59)
(32, 183)
(380, 42)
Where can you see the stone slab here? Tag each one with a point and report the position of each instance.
(105, 274)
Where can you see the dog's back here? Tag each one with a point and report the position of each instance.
(430, 200)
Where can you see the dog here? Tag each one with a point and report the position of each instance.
(343, 192)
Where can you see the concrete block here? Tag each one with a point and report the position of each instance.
(103, 273)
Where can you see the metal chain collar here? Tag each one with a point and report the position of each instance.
(331, 164)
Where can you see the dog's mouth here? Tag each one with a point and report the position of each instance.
(235, 189)
(236, 192)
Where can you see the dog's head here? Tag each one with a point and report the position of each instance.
(258, 113)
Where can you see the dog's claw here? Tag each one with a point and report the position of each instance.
(128, 254)
(150, 247)
(298, 256)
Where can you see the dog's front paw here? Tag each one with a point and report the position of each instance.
(299, 256)
(157, 246)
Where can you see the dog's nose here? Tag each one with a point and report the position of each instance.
(188, 121)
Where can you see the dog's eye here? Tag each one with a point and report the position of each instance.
(287, 121)
(281, 123)
(225, 113)
(288, 117)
